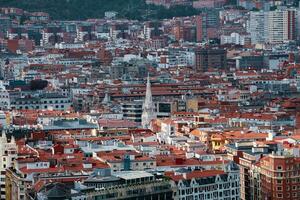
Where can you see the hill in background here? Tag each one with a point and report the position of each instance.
(83, 9)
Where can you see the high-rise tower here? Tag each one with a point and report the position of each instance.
(148, 107)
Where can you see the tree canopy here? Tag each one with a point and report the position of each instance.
(38, 84)
(83, 9)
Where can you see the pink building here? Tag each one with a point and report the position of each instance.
(209, 3)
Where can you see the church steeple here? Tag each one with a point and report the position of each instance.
(148, 107)
(106, 99)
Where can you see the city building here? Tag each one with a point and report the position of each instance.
(207, 184)
(207, 59)
(4, 98)
(46, 101)
(8, 150)
(273, 27)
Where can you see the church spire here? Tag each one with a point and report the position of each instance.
(106, 99)
(148, 107)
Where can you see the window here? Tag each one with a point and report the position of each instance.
(294, 194)
(279, 167)
(279, 181)
(279, 188)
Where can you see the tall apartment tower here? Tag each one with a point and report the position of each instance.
(258, 27)
(281, 25)
(273, 27)
(201, 27)
(298, 23)
(8, 152)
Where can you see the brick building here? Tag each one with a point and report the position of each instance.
(279, 177)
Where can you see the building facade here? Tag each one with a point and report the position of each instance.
(208, 184)
(210, 59)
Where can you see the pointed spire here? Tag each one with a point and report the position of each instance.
(148, 107)
(4, 136)
(13, 140)
(148, 92)
(106, 99)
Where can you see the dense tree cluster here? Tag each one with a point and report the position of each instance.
(83, 9)
(38, 84)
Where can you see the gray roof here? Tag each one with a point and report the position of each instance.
(128, 175)
(70, 124)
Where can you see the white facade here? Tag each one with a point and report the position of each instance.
(277, 23)
(3, 120)
(4, 98)
(46, 36)
(8, 152)
(219, 186)
(258, 27)
(273, 26)
(148, 107)
(64, 45)
(233, 38)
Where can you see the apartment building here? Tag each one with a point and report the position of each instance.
(207, 184)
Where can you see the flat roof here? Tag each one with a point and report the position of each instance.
(128, 175)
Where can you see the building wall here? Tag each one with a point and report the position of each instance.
(219, 189)
(210, 59)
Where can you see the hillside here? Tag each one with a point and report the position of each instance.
(83, 9)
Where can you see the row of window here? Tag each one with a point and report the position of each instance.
(280, 195)
(200, 190)
(38, 102)
(209, 196)
(39, 107)
(294, 187)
